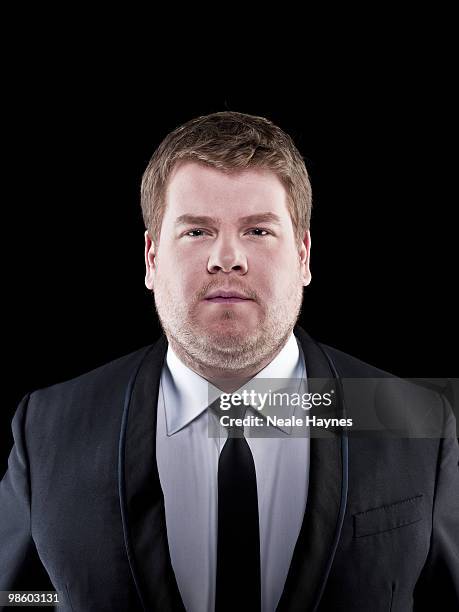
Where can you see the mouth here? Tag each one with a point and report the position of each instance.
(226, 300)
(226, 297)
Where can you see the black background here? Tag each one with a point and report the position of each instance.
(80, 124)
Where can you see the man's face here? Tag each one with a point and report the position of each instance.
(227, 273)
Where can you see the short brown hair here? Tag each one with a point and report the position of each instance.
(230, 142)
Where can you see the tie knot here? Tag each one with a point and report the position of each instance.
(235, 413)
(231, 413)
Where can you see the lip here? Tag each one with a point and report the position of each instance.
(226, 297)
(227, 300)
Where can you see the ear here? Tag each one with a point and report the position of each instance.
(150, 261)
(305, 257)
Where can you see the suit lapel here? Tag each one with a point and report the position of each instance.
(314, 549)
(141, 497)
(142, 501)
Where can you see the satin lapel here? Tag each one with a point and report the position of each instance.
(315, 545)
(142, 502)
(141, 497)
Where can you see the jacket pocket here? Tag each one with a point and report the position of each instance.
(388, 517)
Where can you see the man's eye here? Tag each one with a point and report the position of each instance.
(259, 231)
(195, 233)
(255, 231)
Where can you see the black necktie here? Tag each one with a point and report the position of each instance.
(238, 585)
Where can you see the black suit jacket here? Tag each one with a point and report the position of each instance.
(82, 499)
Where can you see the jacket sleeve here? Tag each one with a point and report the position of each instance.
(20, 565)
(439, 581)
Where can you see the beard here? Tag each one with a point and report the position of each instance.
(233, 348)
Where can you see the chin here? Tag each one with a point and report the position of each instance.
(229, 331)
(230, 320)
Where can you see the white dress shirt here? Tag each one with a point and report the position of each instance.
(187, 463)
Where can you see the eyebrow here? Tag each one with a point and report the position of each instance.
(266, 217)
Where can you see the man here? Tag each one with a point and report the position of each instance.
(114, 486)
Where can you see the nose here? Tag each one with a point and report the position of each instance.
(227, 256)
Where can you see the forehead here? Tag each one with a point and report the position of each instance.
(200, 189)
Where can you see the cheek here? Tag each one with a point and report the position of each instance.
(168, 264)
(179, 279)
(275, 269)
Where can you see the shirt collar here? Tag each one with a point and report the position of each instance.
(187, 393)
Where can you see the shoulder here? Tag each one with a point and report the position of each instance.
(352, 367)
(105, 383)
(396, 402)
(416, 406)
(346, 364)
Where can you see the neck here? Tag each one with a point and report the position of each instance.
(227, 380)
